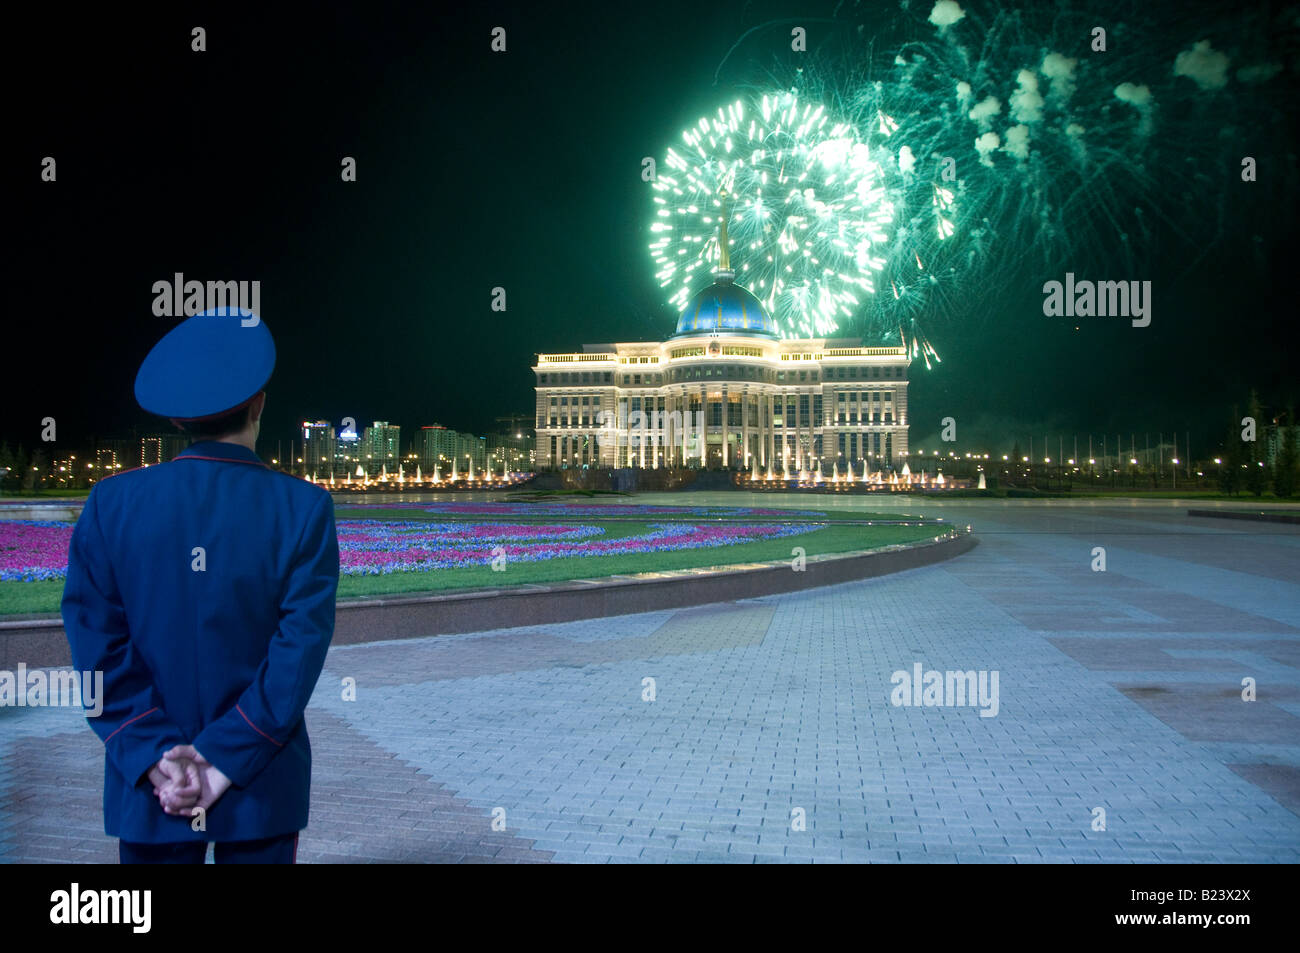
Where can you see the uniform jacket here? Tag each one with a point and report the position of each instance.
(203, 589)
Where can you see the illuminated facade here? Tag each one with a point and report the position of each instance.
(724, 392)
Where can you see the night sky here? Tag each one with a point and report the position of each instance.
(521, 170)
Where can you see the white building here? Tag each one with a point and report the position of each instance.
(724, 392)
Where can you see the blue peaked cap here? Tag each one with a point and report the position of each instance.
(207, 365)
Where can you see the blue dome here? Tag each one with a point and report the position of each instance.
(725, 306)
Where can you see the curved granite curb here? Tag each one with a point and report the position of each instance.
(41, 642)
(1258, 516)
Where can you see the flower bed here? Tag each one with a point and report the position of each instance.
(32, 550)
(374, 547)
(585, 510)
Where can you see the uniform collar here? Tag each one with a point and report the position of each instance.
(220, 450)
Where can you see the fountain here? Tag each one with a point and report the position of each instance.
(982, 486)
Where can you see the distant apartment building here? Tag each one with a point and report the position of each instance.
(515, 450)
(115, 454)
(439, 445)
(381, 448)
(160, 448)
(1273, 436)
(319, 448)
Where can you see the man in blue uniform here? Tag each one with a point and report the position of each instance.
(203, 589)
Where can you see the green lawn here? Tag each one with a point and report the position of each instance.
(43, 597)
(827, 515)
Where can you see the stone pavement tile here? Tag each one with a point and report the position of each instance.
(1281, 781)
(443, 828)
(1108, 699)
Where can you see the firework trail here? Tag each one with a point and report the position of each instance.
(820, 212)
(996, 143)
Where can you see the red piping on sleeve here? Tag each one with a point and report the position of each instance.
(125, 723)
(257, 729)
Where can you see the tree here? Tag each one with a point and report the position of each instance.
(1230, 468)
(7, 465)
(1286, 465)
(17, 463)
(1256, 473)
(34, 472)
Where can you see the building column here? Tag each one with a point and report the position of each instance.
(745, 399)
(645, 433)
(799, 462)
(772, 458)
(704, 425)
(686, 423)
(726, 443)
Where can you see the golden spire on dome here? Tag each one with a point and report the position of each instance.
(724, 253)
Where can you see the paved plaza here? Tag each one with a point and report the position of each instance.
(768, 731)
